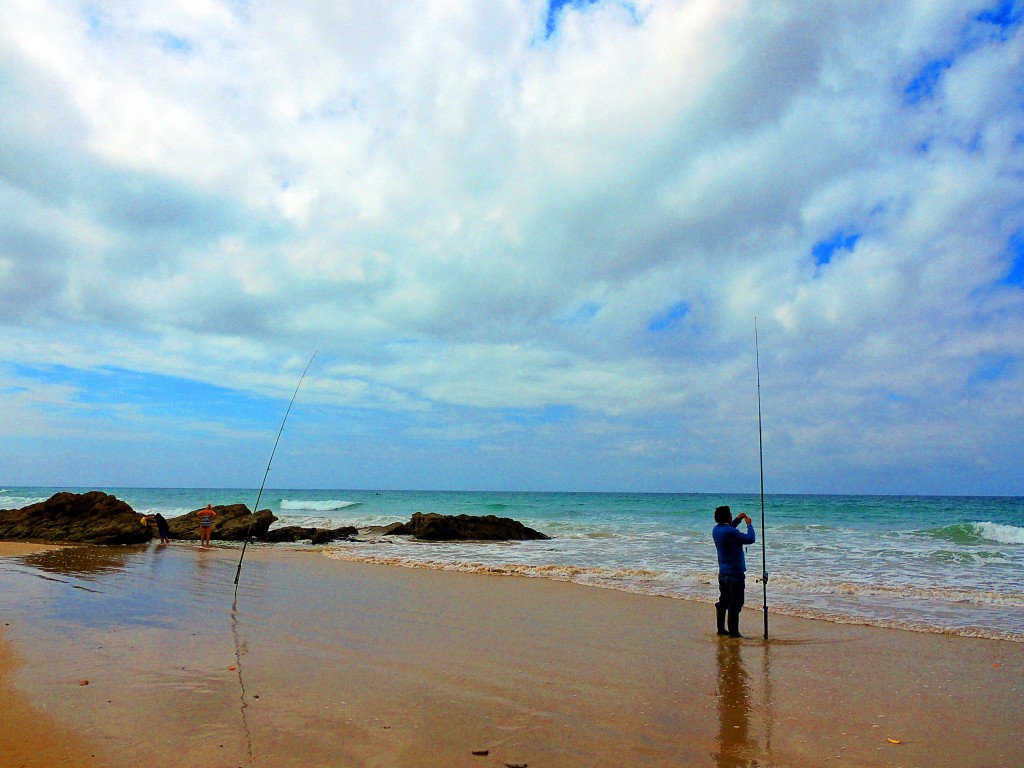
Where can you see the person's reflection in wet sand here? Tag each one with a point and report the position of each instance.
(202, 570)
(735, 747)
(86, 562)
(768, 697)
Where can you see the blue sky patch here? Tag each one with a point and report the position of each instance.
(843, 240)
(551, 414)
(98, 21)
(665, 321)
(1015, 247)
(173, 43)
(923, 86)
(555, 11)
(555, 8)
(581, 314)
(991, 25)
(157, 394)
(1005, 15)
(991, 370)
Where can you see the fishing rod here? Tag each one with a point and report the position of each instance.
(760, 457)
(256, 506)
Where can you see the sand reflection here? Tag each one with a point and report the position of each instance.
(745, 708)
(83, 562)
(241, 648)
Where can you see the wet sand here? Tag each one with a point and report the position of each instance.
(328, 663)
(30, 738)
(18, 548)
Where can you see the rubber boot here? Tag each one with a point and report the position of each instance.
(721, 620)
(734, 624)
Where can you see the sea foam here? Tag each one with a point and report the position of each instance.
(19, 502)
(1004, 534)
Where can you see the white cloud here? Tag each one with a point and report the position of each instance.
(466, 218)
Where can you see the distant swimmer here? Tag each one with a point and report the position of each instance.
(732, 567)
(206, 516)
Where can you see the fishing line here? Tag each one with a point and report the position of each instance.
(256, 506)
(760, 457)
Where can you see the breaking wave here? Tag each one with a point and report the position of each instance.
(1004, 534)
(978, 533)
(317, 506)
(18, 502)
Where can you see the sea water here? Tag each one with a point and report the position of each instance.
(930, 563)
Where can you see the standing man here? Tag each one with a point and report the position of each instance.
(732, 567)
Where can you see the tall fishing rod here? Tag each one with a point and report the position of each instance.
(256, 506)
(760, 457)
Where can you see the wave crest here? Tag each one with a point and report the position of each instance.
(20, 502)
(1004, 534)
(978, 533)
(317, 506)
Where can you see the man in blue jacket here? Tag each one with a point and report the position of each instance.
(732, 567)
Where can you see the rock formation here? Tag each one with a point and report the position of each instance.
(99, 518)
(435, 527)
(293, 533)
(289, 534)
(94, 517)
(232, 523)
(326, 536)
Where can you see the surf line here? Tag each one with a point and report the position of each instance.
(760, 459)
(256, 506)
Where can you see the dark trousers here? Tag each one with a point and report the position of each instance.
(730, 592)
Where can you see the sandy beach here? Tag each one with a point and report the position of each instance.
(320, 662)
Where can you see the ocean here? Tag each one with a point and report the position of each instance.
(926, 563)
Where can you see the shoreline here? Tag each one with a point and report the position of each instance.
(569, 574)
(753, 590)
(341, 663)
(935, 565)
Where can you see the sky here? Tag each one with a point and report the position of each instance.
(529, 243)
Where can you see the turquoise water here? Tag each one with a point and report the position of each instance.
(948, 564)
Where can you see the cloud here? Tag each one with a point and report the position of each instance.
(485, 214)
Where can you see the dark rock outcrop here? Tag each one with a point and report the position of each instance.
(99, 518)
(435, 527)
(289, 534)
(94, 517)
(293, 533)
(234, 522)
(326, 536)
